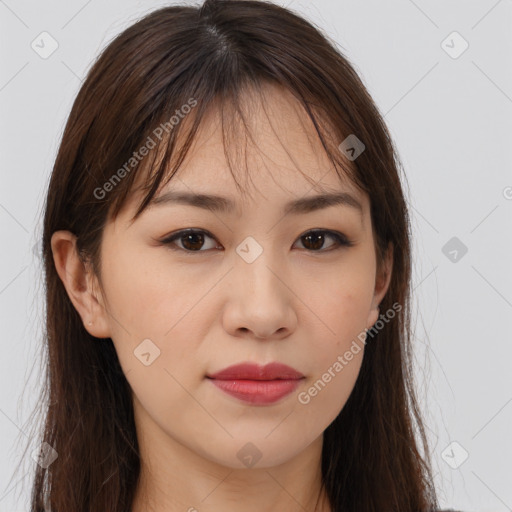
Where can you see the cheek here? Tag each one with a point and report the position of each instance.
(341, 302)
(146, 296)
(327, 392)
(337, 354)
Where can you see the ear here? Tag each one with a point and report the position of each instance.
(80, 284)
(382, 280)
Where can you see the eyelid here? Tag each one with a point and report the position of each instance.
(342, 241)
(168, 240)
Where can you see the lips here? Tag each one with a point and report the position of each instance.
(251, 371)
(257, 385)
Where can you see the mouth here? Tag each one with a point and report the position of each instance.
(253, 371)
(255, 384)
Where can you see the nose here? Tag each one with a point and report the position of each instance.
(260, 301)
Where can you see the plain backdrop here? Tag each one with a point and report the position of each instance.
(440, 72)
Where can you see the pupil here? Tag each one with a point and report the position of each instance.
(319, 238)
(190, 238)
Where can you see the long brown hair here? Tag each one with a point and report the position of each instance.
(371, 459)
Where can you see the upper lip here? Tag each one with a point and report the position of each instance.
(253, 371)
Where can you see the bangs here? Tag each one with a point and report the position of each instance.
(169, 141)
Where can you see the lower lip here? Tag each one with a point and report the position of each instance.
(257, 391)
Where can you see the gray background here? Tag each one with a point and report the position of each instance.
(451, 119)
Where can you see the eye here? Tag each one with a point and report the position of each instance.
(314, 240)
(192, 240)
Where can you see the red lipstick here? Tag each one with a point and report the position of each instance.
(255, 384)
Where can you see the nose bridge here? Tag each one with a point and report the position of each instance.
(253, 263)
(258, 300)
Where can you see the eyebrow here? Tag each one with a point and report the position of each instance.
(217, 203)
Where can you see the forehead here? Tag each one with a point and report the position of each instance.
(270, 146)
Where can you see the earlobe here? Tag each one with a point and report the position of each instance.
(98, 325)
(382, 282)
(78, 283)
(373, 317)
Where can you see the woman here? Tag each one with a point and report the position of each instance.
(215, 344)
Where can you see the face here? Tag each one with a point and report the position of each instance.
(250, 283)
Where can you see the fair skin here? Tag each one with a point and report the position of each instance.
(300, 303)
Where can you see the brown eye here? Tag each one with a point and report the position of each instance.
(314, 240)
(191, 240)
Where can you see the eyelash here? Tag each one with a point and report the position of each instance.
(341, 240)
